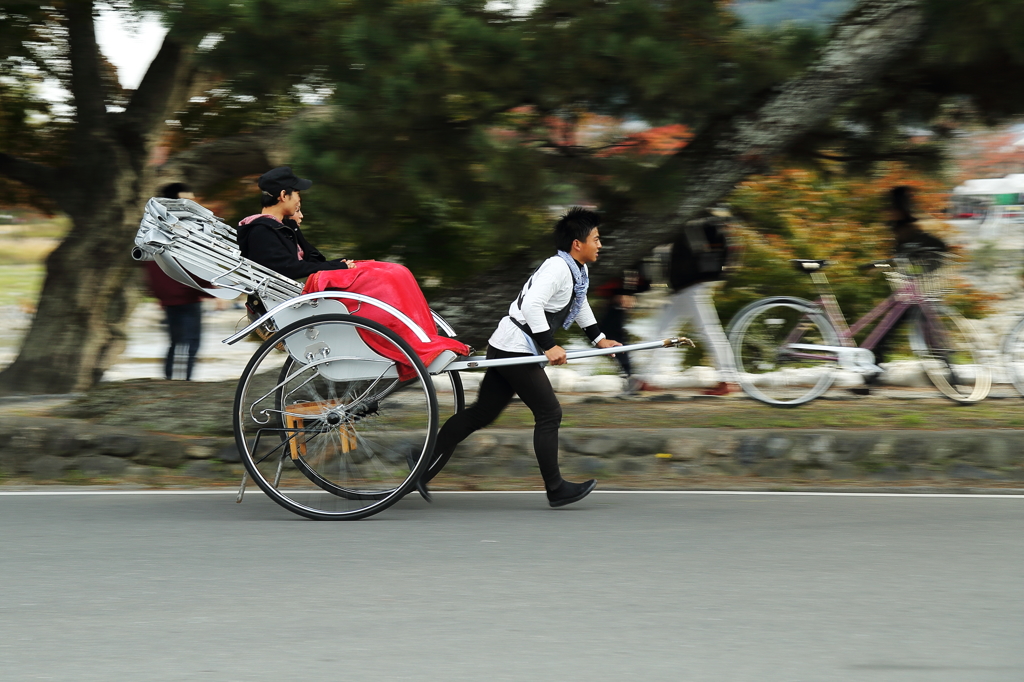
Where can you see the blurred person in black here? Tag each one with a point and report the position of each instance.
(182, 306)
(913, 243)
(620, 294)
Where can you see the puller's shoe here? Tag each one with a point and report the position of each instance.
(567, 492)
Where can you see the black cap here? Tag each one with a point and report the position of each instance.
(273, 181)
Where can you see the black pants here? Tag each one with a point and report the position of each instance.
(184, 323)
(531, 384)
(613, 324)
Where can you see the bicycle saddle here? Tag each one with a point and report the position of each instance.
(808, 264)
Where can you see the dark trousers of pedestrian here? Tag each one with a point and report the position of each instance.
(184, 323)
(531, 384)
(613, 324)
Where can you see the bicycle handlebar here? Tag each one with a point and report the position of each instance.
(887, 263)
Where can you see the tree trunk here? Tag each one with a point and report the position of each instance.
(868, 39)
(90, 287)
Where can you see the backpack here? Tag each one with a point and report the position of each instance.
(699, 254)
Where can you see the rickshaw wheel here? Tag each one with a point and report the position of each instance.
(343, 433)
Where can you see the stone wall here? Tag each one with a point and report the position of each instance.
(979, 455)
(51, 449)
(54, 449)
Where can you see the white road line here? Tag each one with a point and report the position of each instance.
(774, 493)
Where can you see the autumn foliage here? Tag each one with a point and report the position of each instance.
(798, 213)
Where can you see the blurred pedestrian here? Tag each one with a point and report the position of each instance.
(911, 241)
(916, 246)
(620, 294)
(182, 307)
(696, 266)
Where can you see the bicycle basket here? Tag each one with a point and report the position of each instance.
(933, 274)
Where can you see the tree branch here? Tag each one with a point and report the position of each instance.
(165, 85)
(887, 156)
(35, 175)
(86, 78)
(206, 165)
(870, 38)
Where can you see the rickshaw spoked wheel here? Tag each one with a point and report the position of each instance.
(339, 437)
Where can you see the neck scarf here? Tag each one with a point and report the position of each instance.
(581, 281)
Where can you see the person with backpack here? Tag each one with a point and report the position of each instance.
(695, 268)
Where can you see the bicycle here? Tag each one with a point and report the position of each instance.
(789, 350)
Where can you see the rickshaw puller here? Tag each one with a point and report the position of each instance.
(556, 294)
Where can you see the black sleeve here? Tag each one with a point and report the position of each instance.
(544, 339)
(271, 250)
(592, 332)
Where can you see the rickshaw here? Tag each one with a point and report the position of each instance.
(334, 416)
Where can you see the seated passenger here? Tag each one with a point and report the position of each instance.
(273, 239)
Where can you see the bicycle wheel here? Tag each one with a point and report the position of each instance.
(769, 369)
(1013, 356)
(331, 429)
(950, 353)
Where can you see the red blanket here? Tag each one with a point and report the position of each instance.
(395, 285)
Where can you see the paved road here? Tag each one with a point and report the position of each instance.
(498, 587)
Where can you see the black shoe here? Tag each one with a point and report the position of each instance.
(860, 390)
(567, 492)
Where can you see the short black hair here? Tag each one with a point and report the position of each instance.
(575, 224)
(268, 199)
(172, 190)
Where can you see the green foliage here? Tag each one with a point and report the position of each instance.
(455, 127)
(959, 75)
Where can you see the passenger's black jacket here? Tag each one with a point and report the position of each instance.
(275, 245)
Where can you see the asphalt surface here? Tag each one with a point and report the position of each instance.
(499, 587)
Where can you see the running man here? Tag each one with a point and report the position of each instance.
(555, 296)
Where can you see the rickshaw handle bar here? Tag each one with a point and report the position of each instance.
(482, 363)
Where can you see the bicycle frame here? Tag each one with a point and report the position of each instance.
(890, 311)
(790, 348)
